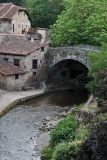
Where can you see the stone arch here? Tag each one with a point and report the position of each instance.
(76, 58)
(78, 54)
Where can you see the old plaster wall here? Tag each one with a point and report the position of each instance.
(6, 37)
(16, 84)
(20, 21)
(5, 26)
(41, 69)
(44, 33)
(28, 79)
(3, 81)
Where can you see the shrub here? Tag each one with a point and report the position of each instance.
(64, 131)
(81, 133)
(47, 153)
(65, 151)
(95, 147)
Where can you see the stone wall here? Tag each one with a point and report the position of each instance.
(28, 79)
(78, 53)
(7, 37)
(20, 21)
(3, 81)
(16, 84)
(5, 26)
(64, 61)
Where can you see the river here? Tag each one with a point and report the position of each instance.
(19, 128)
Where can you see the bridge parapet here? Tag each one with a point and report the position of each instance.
(78, 53)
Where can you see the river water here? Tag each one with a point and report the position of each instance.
(19, 128)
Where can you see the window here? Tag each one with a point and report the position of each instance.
(34, 73)
(42, 48)
(34, 64)
(6, 59)
(40, 61)
(16, 76)
(13, 27)
(16, 62)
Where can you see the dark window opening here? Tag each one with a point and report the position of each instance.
(75, 73)
(13, 27)
(42, 48)
(40, 61)
(34, 64)
(16, 76)
(6, 59)
(34, 73)
(16, 62)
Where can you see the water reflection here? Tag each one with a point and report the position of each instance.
(61, 98)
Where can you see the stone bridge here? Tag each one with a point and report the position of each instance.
(66, 64)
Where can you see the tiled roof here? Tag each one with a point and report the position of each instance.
(8, 10)
(10, 69)
(32, 30)
(20, 47)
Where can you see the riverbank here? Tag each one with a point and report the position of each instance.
(10, 99)
(81, 132)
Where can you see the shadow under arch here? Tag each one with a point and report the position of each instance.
(66, 72)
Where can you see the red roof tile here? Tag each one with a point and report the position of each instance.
(8, 10)
(20, 47)
(10, 69)
(32, 30)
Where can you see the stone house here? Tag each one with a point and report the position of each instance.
(22, 64)
(14, 19)
(22, 49)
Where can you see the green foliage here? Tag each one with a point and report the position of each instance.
(64, 131)
(82, 22)
(98, 62)
(16, 2)
(81, 133)
(65, 151)
(48, 153)
(43, 12)
(95, 147)
(48, 68)
(79, 107)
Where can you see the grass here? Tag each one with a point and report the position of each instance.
(47, 153)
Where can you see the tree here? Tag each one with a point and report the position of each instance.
(16, 2)
(43, 12)
(98, 62)
(81, 22)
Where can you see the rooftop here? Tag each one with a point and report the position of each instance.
(7, 68)
(20, 47)
(8, 10)
(32, 30)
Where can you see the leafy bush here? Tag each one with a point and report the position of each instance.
(65, 151)
(96, 68)
(95, 147)
(64, 131)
